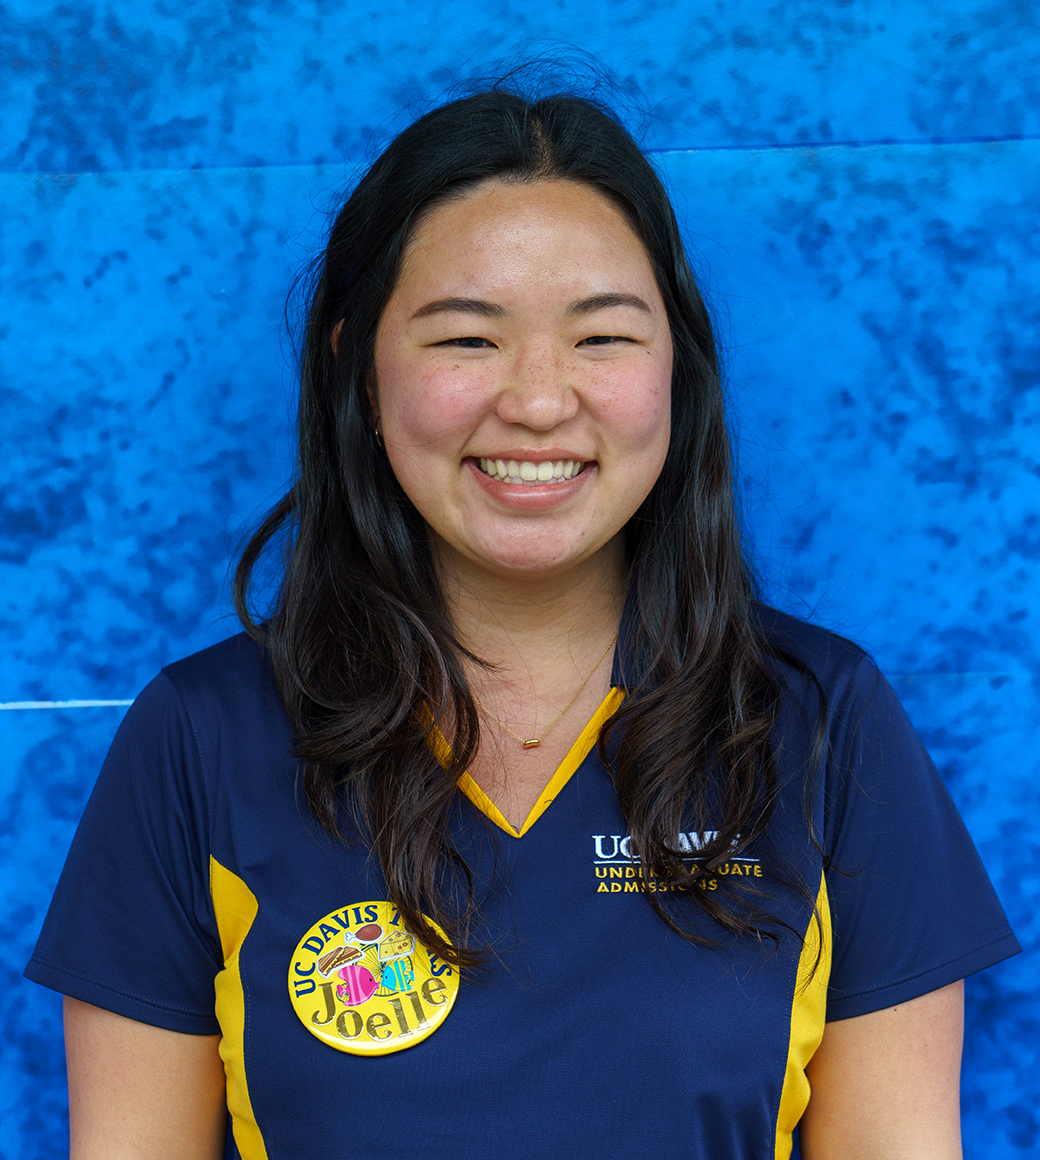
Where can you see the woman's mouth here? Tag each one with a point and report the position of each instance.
(527, 471)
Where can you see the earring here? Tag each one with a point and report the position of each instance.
(379, 437)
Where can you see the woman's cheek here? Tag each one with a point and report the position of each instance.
(640, 406)
(442, 403)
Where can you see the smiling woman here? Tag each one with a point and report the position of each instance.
(526, 329)
(518, 823)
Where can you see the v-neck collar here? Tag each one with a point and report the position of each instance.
(565, 771)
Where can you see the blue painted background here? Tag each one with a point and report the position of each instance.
(860, 184)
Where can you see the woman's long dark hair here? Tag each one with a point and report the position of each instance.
(361, 641)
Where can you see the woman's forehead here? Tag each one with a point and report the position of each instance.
(509, 233)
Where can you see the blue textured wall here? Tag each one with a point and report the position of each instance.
(859, 182)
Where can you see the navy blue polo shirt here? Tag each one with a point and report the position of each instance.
(200, 896)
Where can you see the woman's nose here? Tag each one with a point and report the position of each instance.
(538, 392)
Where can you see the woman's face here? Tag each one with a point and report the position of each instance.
(523, 376)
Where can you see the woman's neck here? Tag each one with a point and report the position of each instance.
(547, 641)
(512, 621)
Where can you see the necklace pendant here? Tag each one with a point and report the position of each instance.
(532, 743)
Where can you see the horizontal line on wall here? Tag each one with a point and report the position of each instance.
(908, 677)
(61, 704)
(342, 173)
(871, 144)
(345, 167)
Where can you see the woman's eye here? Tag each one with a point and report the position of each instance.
(469, 343)
(602, 340)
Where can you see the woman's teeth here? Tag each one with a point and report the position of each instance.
(524, 471)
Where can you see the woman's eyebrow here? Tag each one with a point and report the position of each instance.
(603, 301)
(460, 306)
(486, 309)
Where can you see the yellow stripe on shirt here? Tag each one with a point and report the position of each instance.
(236, 908)
(808, 1016)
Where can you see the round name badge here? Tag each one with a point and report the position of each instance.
(361, 983)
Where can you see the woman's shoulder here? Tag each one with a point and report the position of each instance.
(233, 658)
(233, 669)
(801, 652)
(227, 686)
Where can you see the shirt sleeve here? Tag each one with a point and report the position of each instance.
(131, 926)
(912, 907)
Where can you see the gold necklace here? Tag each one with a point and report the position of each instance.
(534, 742)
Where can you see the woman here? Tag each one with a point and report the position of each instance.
(518, 828)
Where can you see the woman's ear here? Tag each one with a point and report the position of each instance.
(334, 338)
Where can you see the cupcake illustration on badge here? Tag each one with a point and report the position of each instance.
(362, 983)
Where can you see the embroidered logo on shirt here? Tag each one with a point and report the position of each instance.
(361, 983)
(614, 861)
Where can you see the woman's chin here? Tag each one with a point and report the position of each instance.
(527, 561)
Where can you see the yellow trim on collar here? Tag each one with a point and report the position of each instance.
(578, 752)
